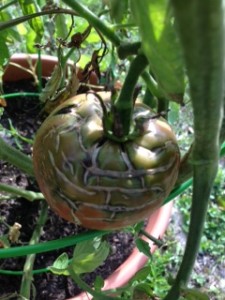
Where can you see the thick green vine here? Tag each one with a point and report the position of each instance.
(123, 105)
(201, 28)
(16, 157)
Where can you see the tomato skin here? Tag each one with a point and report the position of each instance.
(96, 182)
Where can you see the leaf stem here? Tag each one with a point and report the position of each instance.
(122, 109)
(9, 23)
(157, 242)
(127, 49)
(20, 192)
(16, 158)
(202, 40)
(94, 20)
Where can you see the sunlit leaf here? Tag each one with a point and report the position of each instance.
(60, 265)
(30, 41)
(30, 7)
(53, 84)
(21, 29)
(61, 28)
(161, 46)
(4, 51)
(89, 255)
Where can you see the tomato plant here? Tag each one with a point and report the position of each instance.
(96, 149)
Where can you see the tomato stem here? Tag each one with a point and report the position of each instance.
(16, 158)
(122, 108)
(202, 40)
(126, 49)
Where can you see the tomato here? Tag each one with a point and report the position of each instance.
(89, 179)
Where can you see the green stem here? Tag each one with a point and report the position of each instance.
(163, 106)
(39, 71)
(27, 278)
(8, 4)
(222, 133)
(13, 22)
(16, 158)
(67, 56)
(123, 105)
(19, 192)
(50, 245)
(156, 241)
(151, 84)
(149, 99)
(127, 49)
(94, 20)
(20, 94)
(202, 40)
(186, 167)
(123, 26)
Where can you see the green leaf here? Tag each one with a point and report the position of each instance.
(173, 115)
(88, 255)
(30, 7)
(142, 291)
(60, 265)
(4, 51)
(142, 274)
(10, 34)
(138, 226)
(30, 41)
(161, 45)
(143, 247)
(118, 9)
(53, 84)
(194, 294)
(61, 28)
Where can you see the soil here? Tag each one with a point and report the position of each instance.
(24, 113)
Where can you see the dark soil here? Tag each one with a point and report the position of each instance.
(24, 115)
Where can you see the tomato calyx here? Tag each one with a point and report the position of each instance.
(112, 125)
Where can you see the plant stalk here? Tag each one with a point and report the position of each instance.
(16, 158)
(13, 22)
(94, 20)
(26, 283)
(8, 4)
(124, 50)
(157, 242)
(122, 108)
(20, 192)
(201, 29)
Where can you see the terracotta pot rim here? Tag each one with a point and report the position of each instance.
(13, 73)
(156, 226)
